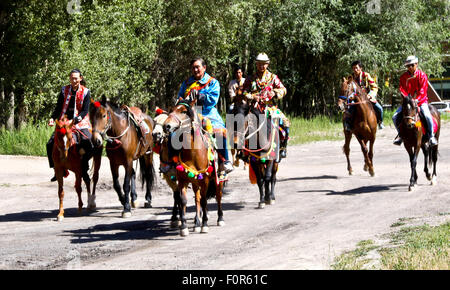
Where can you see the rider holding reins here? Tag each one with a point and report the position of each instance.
(208, 91)
(73, 101)
(414, 82)
(266, 87)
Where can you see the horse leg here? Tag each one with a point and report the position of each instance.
(260, 182)
(273, 182)
(126, 190)
(116, 183)
(198, 197)
(133, 193)
(149, 177)
(219, 191)
(365, 152)
(371, 169)
(434, 157)
(346, 149)
(426, 155)
(413, 162)
(78, 189)
(174, 221)
(97, 160)
(268, 183)
(59, 177)
(182, 206)
(204, 205)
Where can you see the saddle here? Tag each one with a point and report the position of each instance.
(137, 117)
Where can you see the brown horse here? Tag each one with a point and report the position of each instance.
(167, 165)
(195, 160)
(364, 125)
(124, 145)
(411, 131)
(67, 157)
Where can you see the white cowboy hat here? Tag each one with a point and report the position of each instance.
(262, 57)
(411, 60)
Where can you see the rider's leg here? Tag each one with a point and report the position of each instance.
(396, 118)
(379, 112)
(222, 149)
(425, 109)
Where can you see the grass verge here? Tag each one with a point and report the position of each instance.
(411, 248)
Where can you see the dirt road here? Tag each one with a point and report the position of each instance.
(320, 211)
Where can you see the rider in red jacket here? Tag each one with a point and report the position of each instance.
(414, 82)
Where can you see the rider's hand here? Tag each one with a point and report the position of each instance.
(51, 122)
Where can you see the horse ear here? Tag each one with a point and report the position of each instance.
(344, 79)
(58, 124)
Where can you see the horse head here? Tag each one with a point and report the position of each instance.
(158, 131)
(101, 121)
(410, 111)
(181, 116)
(351, 92)
(63, 135)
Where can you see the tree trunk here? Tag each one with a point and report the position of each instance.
(9, 110)
(2, 105)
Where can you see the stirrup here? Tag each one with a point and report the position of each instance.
(283, 153)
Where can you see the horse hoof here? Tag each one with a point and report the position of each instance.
(372, 174)
(126, 214)
(147, 205)
(134, 204)
(197, 229)
(411, 188)
(434, 181)
(221, 223)
(365, 168)
(261, 205)
(205, 230)
(60, 218)
(350, 173)
(184, 232)
(175, 224)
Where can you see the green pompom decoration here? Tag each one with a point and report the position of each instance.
(263, 160)
(173, 178)
(191, 175)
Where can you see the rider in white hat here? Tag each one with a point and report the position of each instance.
(266, 87)
(414, 82)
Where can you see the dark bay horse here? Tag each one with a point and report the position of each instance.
(261, 145)
(196, 163)
(125, 143)
(237, 136)
(364, 125)
(66, 157)
(411, 131)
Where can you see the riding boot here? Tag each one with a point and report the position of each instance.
(49, 147)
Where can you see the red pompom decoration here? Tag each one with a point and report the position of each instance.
(210, 169)
(97, 104)
(63, 131)
(175, 159)
(159, 111)
(180, 168)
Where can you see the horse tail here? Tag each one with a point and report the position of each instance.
(147, 171)
(212, 188)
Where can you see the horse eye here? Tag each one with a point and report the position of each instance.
(104, 116)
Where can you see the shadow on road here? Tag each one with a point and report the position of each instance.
(360, 190)
(308, 178)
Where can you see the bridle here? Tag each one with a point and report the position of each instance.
(108, 126)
